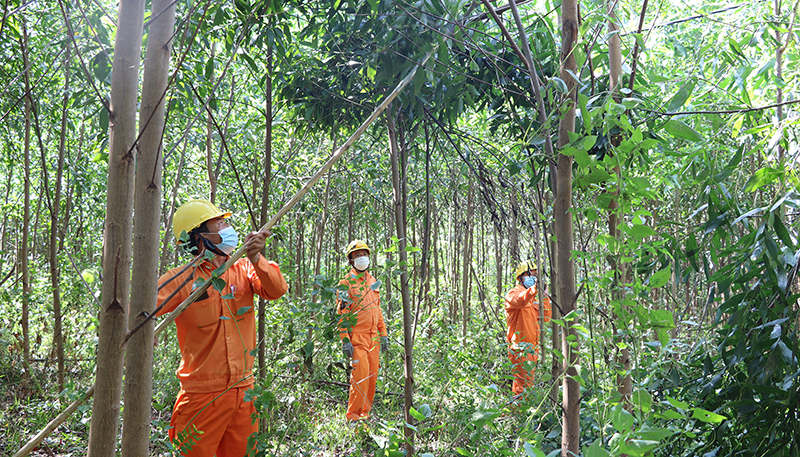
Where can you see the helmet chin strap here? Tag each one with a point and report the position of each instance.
(212, 247)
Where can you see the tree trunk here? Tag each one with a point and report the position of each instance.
(498, 261)
(779, 49)
(389, 259)
(350, 212)
(436, 252)
(58, 339)
(513, 230)
(26, 217)
(570, 438)
(298, 291)
(265, 196)
(147, 207)
(118, 227)
(624, 386)
(212, 176)
(555, 329)
(398, 185)
(426, 236)
(169, 238)
(468, 227)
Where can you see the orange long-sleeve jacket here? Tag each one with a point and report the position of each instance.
(217, 333)
(362, 307)
(522, 314)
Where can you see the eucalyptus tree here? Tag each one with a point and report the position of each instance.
(147, 207)
(117, 237)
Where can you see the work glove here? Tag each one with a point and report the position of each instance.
(384, 343)
(347, 349)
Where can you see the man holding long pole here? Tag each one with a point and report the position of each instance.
(217, 333)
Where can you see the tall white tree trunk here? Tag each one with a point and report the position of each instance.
(570, 437)
(147, 207)
(118, 229)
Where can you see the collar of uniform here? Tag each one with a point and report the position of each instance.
(358, 275)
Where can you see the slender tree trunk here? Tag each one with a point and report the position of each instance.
(436, 249)
(570, 437)
(350, 213)
(498, 261)
(58, 338)
(309, 362)
(147, 207)
(555, 329)
(426, 237)
(169, 237)
(779, 49)
(624, 386)
(212, 176)
(265, 201)
(468, 228)
(26, 217)
(454, 256)
(389, 259)
(298, 292)
(513, 230)
(118, 229)
(400, 218)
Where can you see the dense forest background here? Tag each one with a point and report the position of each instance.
(644, 154)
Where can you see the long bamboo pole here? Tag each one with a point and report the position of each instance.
(36, 440)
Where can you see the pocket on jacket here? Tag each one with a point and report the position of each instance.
(203, 313)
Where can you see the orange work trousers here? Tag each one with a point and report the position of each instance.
(215, 423)
(365, 363)
(523, 377)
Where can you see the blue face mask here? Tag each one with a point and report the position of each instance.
(529, 281)
(230, 239)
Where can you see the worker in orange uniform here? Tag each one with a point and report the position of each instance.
(522, 317)
(216, 333)
(360, 325)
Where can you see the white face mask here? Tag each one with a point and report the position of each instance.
(230, 239)
(361, 263)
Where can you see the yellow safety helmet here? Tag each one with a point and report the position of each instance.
(523, 267)
(192, 214)
(354, 246)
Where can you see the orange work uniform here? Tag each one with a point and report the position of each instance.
(362, 322)
(522, 317)
(217, 335)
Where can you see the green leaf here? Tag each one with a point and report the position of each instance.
(621, 419)
(642, 399)
(218, 283)
(638, 448)
(595, 450)
(670, 414)
(514, 167)
(707, 416)
(660, 277)
(417, 415)
(761, 178)
(243, 310)
(641, 231)
(308, 349)
(531, 451)
(680, 97)
(227, 297)
(680, 130)
(782, 233)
